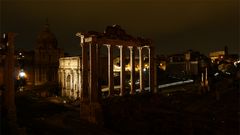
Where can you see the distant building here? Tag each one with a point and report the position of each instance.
(188, 63)
(40, 65)
(217, 55)
(224, 61)
(46, 56)
(223, 55)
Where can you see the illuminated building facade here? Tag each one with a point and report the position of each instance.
(69, 76)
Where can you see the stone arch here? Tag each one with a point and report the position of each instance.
(69, 77)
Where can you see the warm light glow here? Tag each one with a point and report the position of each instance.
(136, 68)
(128, 67)
(162, 66)
(22, 74)
(117, 68)
(146, 66)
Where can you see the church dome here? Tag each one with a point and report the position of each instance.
(46, 39)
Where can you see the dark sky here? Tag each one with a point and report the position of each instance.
(174, 25)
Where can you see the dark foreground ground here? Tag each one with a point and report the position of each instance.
(183, 112)
(178, 113)
(47, 116)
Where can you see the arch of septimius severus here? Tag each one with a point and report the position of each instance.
(113, 37)
(69, 76)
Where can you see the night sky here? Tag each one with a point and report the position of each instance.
(174, 25)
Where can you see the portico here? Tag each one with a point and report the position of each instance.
(89, 43)
(113, 37)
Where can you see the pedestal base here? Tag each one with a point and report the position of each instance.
(92, 112)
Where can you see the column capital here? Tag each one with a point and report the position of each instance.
(107, 45)
(79, 34)
(139, 47)
(120, 46)
(130, 47)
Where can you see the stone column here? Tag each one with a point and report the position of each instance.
(206, 79)
(132, 68)
(90, 108)
(155, 75)
(72, 84)
(59, 76)
(8, 110)
(64, 83)
(122, 72)
(141, 66)
(98, 63)
(93, 74)
(78, 83)
(152, 82)
(84, 82)
(110, 70)
(60, 80)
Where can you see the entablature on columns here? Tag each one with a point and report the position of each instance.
(95, 39)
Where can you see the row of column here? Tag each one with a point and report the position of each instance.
(132, 69)
(90, 78)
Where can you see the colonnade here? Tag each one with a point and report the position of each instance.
(92, 43)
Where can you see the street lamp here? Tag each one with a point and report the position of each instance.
(21, 79)
(22, 74)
